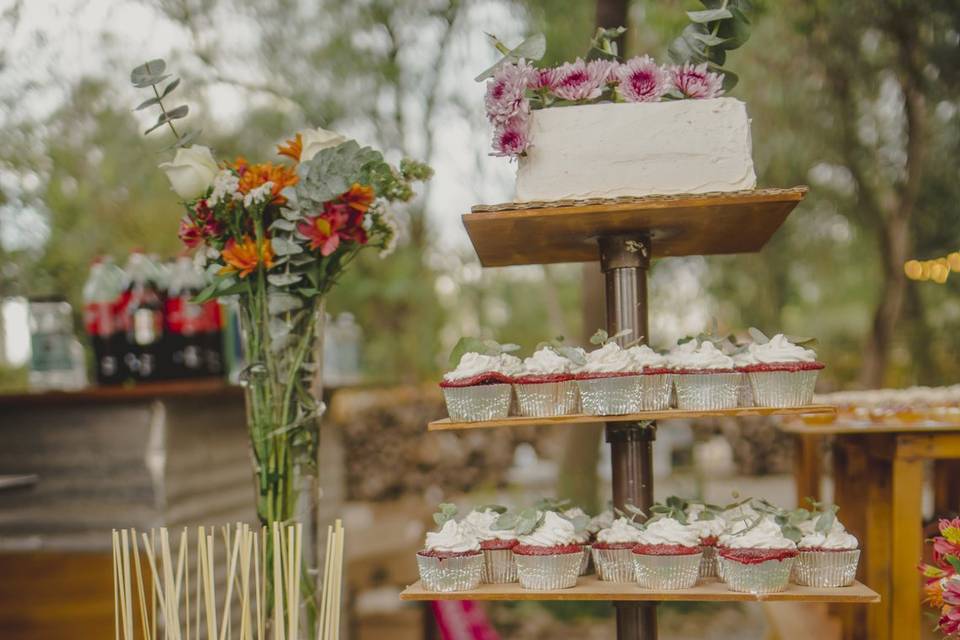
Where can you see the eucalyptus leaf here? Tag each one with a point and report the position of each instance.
(186, 139)
(170, 87)
(709, 15)
(791, 532)
(284, 246)
(149, 102)
(532, 48)
(148, 69)
(282, 224)
(709, 39)
(730, 80)
(506, 521)
(758, 337)
(496, 508)
(278, 329)
(279, 302)
(284, 279)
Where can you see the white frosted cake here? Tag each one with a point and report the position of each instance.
(637, 149)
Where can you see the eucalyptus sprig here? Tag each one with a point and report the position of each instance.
(532, 48)
(151, 75)
(601, 337)
(724, 342)
(759, 337)
(722, 26)
(673, 507)
(631, 512)
(603, 45)
(573, 354)
(478, 345)
(522, 521)
(552, 504)
(445, 512)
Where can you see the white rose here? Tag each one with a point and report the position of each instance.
(316, 140)
(192, 171)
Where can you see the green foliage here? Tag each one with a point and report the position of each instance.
(601, 337)
(445, 512)
(149, 75)
(483, 347)
(532, 48)
(724, 25)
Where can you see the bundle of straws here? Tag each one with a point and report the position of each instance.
(149, 576)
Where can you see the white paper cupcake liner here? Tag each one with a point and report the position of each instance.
(708, 563)
(770, 576)
(547, 399)
(663, 573)
(612, 396)
(585, 563)
(479, 402)
(498, 566)
(826, 569)
(546, 573)
(707, 391)
(783, 388)
(614, 565)
(450, 574)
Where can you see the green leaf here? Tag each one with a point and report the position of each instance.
(279, 302)
(954, 562)
(791, 532)
(285, 246)
(709, 15)
(284, 279)
(801, 341)
(709, 39)
(758, 337)
(496, 508)
(185, 139)
(687, 48)
(170, 87)
(331, 171)
(173, 114)
(730, 80)
(506, 521)
(532, 48)
(825, 522)
(149, 102)
(147, 69)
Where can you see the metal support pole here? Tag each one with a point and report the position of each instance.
(625, 262)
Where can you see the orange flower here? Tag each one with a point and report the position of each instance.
(292, 149)
(243, 258)
(934, 594)
(254, 175)
(359, 198)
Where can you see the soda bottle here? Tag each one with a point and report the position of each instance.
(101, 299)
(185, 321)
(142, 316)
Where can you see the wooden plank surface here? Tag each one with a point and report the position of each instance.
(590, 588)
(670, 414)
(907, 547)
(704, 224)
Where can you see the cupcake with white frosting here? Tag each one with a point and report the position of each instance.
(602, 520)
(656, 378)
(756, 557)
(667, 555)
(781, 373)
(545, 385)
(496, 543)
(451, 559)
(480, 387)
(609, 382)
(613, 551)
(705, 377)
(709, 526)
(548, 557)
(829, 554)
(581, 522)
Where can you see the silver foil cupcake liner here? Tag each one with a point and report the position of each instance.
(708, 563)
(770, 576)
(707, 391)
(826, 569)
(479, 402)
(612, 396)
(745, 393)
(614, 565)
(663, 573)
(450, 574)
(547, 399)
(656, 391)
(585, 563)
(546, 573)
(498, 566)
(783, 388)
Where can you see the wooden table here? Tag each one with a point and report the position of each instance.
(878, 473)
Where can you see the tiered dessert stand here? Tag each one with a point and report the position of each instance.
(625, 234)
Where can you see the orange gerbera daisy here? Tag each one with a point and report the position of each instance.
(243, 257)
(359, 197)
(254, 175)
(292, 148)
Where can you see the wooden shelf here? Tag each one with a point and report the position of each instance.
(798, 427)
(590, 588)
(703, 224)
(670, 414)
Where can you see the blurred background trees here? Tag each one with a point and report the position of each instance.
(857, 99)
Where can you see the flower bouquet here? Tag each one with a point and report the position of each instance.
(276, 237)
(943, 577)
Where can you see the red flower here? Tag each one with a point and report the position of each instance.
(359, 197)
(189, 233)
(338, 223)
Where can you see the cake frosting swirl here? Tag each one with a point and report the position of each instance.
(779, 349)
(670, 532)
(711, 528)
(554, 531)
(621, 531)
(582, 536)
(452, 538)
(602, 520)
(766, 534)
(474, 364)
(481, 524)
(706, 356)
(609, 358)
(643, 357)
(833, 540)
(546, 361)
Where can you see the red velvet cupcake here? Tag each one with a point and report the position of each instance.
(480, 387)
(781, 373)
(667, 555)
(545, 387)
(549, 557)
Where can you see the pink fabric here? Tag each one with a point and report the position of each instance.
(462, 620)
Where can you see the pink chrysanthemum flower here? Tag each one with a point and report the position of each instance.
(604, 71)
(513, 138)
(694, 81)
(642, 80)
(506, 97)
(542, 79)
(576, 81)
